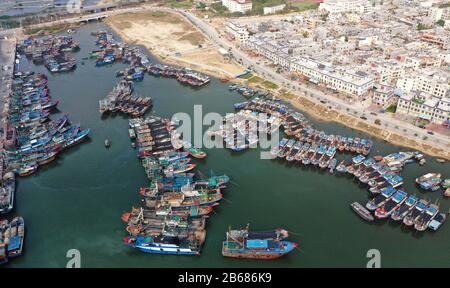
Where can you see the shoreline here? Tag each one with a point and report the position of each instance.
(314, 110)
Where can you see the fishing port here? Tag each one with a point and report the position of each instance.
(175, 207)
(174, 196)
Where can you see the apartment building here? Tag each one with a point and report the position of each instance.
(427, 82)
(237, 31)
(347, 81)
(441, 40)
(241, 6)
(345, 6)
(273, 9)
(424, 106)
(383, 96)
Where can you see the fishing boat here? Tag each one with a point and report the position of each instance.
(342, 167)
(429, 181)
(332, 165)
(307, 157)
(423, 220)
(405, 208)
(275, 150)
(265, 245)
(291, 154)
(283, 151)
(391, 205)
(356, 161)
(166, 245)
(437, 222)
(415, 212)
(318, 155)
(362, 212)
(195, 152)
(16, 240)
(7, 191)
(82, 135)
(380, 199)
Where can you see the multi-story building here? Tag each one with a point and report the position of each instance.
(273, 9)
(344, 6)
(241, 6)
(239, 32)
(427, 82)
(383, 95)
(441, 40)
(424, 106)
(342, 80)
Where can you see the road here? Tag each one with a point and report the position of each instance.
(386, 122)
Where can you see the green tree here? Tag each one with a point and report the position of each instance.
(440, 22)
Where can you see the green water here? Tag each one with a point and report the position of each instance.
(76, 202)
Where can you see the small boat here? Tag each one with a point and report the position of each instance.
(107, 143)
(447, 192)
(437, 221)
(362, 212)
(332, 165)
(429, 181)
(265, 245)
(342, 167)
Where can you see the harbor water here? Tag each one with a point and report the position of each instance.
(76, 201)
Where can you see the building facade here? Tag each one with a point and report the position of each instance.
(237, 31)
(241, 6)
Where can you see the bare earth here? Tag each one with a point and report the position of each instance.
(173, 40)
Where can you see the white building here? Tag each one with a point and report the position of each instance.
(424, 106)
(338, 79)
(383, 95)
(427, 82)
(273, 9)
(241, 6)
(239, 32)
(345, 6)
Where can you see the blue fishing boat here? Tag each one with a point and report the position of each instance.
(163, 245)
(380, 199)
(391, 205)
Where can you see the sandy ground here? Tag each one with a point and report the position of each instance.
(173, 40)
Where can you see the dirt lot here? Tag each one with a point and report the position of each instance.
(173, 40)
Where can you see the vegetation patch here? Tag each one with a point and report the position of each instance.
(392, 108)
(270, 85)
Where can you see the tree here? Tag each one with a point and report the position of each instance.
(440, 22)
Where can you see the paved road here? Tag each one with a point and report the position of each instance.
(387, 123)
